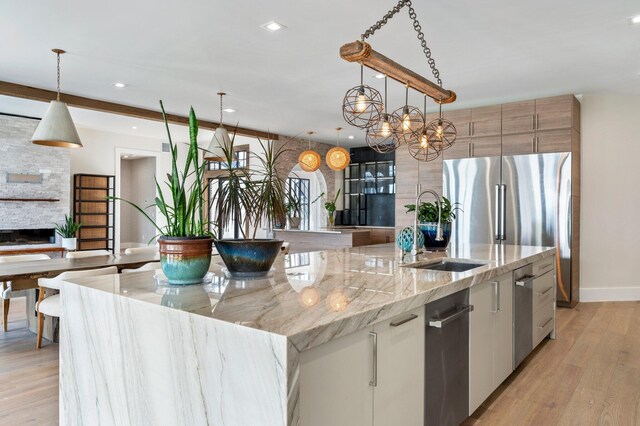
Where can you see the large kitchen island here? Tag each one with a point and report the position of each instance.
(328, 338)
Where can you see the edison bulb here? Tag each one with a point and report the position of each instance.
(386, 129)
(406, 120)
(361, 102)
(439, 130)
(424, 142)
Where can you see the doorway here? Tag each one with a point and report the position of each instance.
(137, 178)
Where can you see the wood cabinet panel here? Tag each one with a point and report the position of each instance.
(486, 121)
(461, 148)
(554, 141)
(490, 146)
(503, 343)
(518, 144)
(517, 117)
(554, 113)
(461, 119)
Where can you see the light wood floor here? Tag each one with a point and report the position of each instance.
(590, 375)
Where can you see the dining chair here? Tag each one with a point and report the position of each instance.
(7, 287)
(141, 250)
(50, 304)
(285, 248)
(87, 253)
(152, 266)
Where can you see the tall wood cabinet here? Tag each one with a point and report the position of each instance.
(94, 211)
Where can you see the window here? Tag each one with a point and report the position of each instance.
(299, 189)
(240, 161)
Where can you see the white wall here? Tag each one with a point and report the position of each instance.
(610, 230)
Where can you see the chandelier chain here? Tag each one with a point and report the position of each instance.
(416, 26)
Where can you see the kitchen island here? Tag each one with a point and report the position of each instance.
(335, 237)
(233, 351)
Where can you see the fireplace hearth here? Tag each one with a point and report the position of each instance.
(14, 237)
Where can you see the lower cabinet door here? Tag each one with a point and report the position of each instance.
(398, 397)
(335, 382)
(503, 331)
(481, 321)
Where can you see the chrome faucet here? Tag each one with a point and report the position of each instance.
(414, 250)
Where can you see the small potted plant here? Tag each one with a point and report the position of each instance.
(428, 221)
(185, 241)
(68, 231)
(330, 207)
(251, 200)
(293, 212)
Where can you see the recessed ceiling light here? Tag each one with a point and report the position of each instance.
(119, 85)
(229, 110)
(272, 26)
(125, 156)
(379, 76)
(351, 137)
(634, 19)
(133, 127)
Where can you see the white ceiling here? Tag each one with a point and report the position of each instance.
(293, 80)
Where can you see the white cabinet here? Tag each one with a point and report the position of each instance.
(490, 337)
(374, 376)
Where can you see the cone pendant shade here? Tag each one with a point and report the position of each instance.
(219, 141)
(56, 128)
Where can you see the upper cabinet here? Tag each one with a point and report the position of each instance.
(461, 119)
(554, 113)
(517, 117)
(486, 121)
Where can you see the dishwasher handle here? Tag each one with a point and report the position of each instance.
(522, 282)
(460, 311)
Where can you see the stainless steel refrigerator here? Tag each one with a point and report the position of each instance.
(522, 199)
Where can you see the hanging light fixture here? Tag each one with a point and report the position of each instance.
(56, 127)
(441, 132)
(422, 149)
(411, 120)
(309, 160)
(221, 142)
(383, 136)
(338, 158)
(362, 105)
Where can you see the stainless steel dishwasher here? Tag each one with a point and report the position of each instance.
(447, 360)
(522, 313)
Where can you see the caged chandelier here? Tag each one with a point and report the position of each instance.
(363, 107)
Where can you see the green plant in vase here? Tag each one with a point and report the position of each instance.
(428, 221)
(67, 231)
(330, 207)
(185, 240)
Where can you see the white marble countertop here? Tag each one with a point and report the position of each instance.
(312, 298)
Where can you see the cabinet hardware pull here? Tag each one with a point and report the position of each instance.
(469, 128)
(524, 280)
(533, 144)
(473, 128)
(503, 212)
(545, 323)
(403, 321)
(546, 266)
(533, 121)
(461, 310)
(497, 212)
(496, 297)
(374, 381)
(545, 292)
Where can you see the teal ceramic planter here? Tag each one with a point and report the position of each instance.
(185, 261)
(248, 257)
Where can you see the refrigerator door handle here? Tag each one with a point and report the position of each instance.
(503, 211)
(496, 212)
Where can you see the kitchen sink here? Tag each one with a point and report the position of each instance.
(447, 265)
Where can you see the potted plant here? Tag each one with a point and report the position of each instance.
(293, 212)
(428, 221)
(68, 231)
(185, 241)
(251, 200)
(330, 207)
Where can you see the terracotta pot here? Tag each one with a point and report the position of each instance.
(185, 260)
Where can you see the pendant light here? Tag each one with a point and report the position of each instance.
(56, 127)
(221, 142)
(441, 132)
(422, 149)
(309, 160)
(338, 158)
(411, 120)
(362, 105)
(383, 136)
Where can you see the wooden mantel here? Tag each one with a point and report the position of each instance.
(32, 200)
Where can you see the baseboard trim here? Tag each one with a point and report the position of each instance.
(610, 294)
